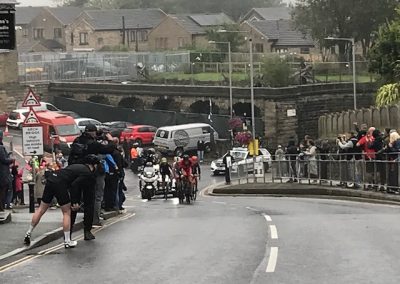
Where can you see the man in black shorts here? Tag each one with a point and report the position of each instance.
(65, 185)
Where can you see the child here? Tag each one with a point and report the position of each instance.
(18, 185)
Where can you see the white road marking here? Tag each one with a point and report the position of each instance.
(274, 232)
(268, 218)
(273, 258)
(252, 209)
(219, 202)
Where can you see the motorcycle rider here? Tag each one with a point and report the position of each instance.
(134, 157)
(66, 185)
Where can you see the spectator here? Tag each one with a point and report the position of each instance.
(280, 157)
(379, 166)
(200, 149)
(5, 174)
(311, 154)
(323, 154)
(18, 198)
(369, 156)
(292, 151)
(61, 161)
(393, 150)
(111, 184)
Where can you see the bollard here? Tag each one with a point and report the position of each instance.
(31, 197)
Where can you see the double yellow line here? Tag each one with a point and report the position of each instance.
(59, 246)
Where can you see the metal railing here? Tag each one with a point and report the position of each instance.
(356, 171)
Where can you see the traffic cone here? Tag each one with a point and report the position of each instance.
(6, 131)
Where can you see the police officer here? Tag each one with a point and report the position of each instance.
(65, 185)
(84, 145)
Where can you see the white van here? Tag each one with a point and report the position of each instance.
(178, 139)
(43, 106)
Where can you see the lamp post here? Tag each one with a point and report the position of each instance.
(230, 72)
(354, 64)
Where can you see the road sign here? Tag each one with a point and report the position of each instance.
(31, 118)
(32, 140)
(31, 100)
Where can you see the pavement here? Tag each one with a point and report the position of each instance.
(305, 190)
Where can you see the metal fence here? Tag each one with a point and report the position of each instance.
(341, 170)
(180, 67)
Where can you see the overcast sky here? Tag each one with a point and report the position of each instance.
(52, 3)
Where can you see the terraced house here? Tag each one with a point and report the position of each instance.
(185, 30)
(108, 29)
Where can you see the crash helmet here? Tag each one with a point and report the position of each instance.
(186, 158)
(92, 159)
(149, 164)
(135, 145)
(151, 150)
(194, 159)
(163, 160)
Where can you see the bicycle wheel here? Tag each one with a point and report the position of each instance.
(166, 189)
(195, 191)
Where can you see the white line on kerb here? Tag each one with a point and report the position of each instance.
(252, 209)
(274, 232)
(273, 257)
(268, 218)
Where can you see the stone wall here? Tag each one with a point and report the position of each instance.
(332, 124)
(309, 102)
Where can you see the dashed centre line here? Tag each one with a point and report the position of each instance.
(273, 258)
(274, 232)
(268, 218)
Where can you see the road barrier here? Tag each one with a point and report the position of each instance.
(350, 170)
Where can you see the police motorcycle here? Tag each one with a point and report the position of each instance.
(147, 179)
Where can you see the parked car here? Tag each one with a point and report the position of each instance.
(242, 157)
(178, 139)
(16, 118)
(116, 127)
(83, 122)
(141, 134)
(3, 118)
(43, 106)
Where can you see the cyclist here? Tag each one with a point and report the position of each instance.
(165, 170)
(185, 166)
(196, 171)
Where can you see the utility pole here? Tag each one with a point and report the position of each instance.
(123, 30)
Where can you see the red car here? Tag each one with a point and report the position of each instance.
(141, 134)
(3, 118)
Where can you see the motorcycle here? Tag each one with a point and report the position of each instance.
(147, 178)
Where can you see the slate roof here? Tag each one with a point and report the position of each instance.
(199, 23)
(134, 18)
(188, 24)
(211, 19)
(272, 13)
(282, 33)
(66, 15)
(24, 15)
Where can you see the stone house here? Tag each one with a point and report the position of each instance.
(183, 31)
(46, 31)
(103, 29)
(280, 36)
(23, 18)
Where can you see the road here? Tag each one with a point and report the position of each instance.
(228, 240)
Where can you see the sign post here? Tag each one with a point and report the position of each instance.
(32, 140)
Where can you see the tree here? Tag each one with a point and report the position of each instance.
(385, 54)
(276, 72)
(236, 39)
(388, 94)
(342, 18)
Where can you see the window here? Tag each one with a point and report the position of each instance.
(162, 134)
(83, 38)
(52, 131)
(206, 130)
(57, 33)
(259, 47)
(143, 129)
(181, 42)
(141, 35)
(161, 43)
(304, 50)
(72, 38)
(100, 41)
(281, 50)
(37, 33)
(52, 108)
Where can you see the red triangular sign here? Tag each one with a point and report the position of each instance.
(31, 100)
(31, 118)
